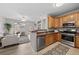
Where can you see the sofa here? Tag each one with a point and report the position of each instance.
(9, 40)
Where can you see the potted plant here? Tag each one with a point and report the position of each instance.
(7, 26)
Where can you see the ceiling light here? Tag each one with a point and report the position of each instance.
(58, 4)
(23, 20)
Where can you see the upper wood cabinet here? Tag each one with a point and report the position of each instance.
(57, 23)
(61, 21)
(70, 17)
(77, 20)
(65, 19)
(51, 21)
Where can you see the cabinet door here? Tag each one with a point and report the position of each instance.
(70, 17)
(50, 22)
(77, 42)
(59, 37)
(61, 23)
(55, 37)
(77, 21)
(48, 39)
(64, 19)
(57, 23)
(73, 16)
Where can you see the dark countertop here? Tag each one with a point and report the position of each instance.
(41, 30)
(46, 33)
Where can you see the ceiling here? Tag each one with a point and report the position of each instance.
(35, 9)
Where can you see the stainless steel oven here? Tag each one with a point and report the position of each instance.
(68, 33)
(68, 38)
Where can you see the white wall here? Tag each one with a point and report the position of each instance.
(1, 26)
(29, 26)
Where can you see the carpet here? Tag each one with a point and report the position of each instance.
(58, 50)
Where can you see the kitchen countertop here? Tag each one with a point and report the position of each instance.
(49, 31)
(44, 32)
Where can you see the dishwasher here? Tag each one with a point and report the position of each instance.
(40, 42)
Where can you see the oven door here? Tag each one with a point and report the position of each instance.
(68, 37)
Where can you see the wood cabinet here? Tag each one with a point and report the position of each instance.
(57, 37)
(49, 39)
(69, 18)
(52, 38)
(77, 20)
(57, 23)
(51, 22)
(61, 21)
(77, 41)
(65, 19)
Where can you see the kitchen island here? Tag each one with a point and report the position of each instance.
(44, 38)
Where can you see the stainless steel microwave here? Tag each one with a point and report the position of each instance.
(69, 25)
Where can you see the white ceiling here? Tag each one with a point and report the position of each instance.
(34, 9)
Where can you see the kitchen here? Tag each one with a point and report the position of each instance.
(64, 29)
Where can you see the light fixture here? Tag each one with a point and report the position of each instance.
(58, 4)
(23, 20)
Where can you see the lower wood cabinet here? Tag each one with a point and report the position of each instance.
(59, 37)
(52, 38)
(48, 39)
(77, 41)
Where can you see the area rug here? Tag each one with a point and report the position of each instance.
(58, 50)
